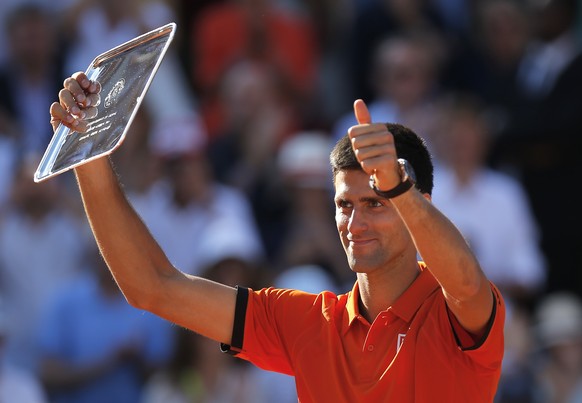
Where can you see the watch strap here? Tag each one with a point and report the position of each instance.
(395, 191)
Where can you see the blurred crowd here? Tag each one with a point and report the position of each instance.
(227, 163)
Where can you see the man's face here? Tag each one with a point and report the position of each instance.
(370, 229)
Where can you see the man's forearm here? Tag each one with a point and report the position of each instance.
(126, 244)
(449, 258)
(440, 244)
(143, 272)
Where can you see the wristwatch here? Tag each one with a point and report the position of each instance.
(407, 177)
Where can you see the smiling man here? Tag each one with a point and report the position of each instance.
(410, 330)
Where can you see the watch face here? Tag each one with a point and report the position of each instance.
(408, 170)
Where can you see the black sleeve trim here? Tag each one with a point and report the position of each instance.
(238, 328)
(487, 330)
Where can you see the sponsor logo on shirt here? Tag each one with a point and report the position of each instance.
(400, 340)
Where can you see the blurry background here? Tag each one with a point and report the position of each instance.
(227, 162)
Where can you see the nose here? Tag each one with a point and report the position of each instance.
(357, 222)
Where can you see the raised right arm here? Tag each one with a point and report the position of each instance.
(140, 267)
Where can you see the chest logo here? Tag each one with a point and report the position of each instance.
(400, 340)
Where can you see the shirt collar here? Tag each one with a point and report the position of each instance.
(407, 304)
(352, 304)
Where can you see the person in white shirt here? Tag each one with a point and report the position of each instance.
(490, 207)
(16, 384)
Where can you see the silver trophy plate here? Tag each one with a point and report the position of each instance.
(125, 74)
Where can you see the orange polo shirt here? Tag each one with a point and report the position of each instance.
(415, 351)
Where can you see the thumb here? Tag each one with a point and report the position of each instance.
(361, 112)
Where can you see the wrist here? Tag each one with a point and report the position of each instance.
(407, 181)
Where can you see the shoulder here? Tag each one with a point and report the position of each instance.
(288, 303)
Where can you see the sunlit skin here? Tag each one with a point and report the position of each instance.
(377, 244)
(370, 228)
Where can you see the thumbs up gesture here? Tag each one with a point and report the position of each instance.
(374, 147)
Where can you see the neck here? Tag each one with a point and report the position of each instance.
(379, 291)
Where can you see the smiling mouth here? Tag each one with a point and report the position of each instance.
(359, 242)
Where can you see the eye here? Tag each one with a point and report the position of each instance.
(343, 204)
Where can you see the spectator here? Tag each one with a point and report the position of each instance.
(332, 21)
(255, 31)
(374, 21)
(16, 384)
(541, 141)
(308, 235)
(518, 378)
(405, 82)
(29, 76)
(41, 244)
(558, 328)
(486, 61)
(490, 208)
(95, 347)
(195, 217)
(259, 117)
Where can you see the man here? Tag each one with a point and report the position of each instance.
(404, 333)
(93, 346)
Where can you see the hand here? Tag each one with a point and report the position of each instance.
(78, 101)
(374, 148)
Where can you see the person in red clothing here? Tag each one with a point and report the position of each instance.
(410, 330)
(255, 32)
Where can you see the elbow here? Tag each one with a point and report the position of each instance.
(139, 300)
(142, 296)
(471, 286)
(468, 282)
(136, 301)
(146, 287)
(470, 290)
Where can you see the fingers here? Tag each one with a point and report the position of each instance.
(68, 101)
(361, 112)
(78, 101)
(76, 91)
(373, 145)
(86, 90)
(364, 125)
(90, 112)
(93, 100)
(58, 115)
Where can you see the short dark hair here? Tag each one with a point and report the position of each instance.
(409, 146)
